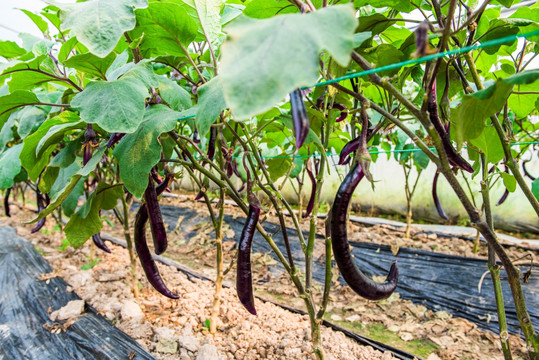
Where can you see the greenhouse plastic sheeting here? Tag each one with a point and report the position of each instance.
(24, 304)
(437, 281)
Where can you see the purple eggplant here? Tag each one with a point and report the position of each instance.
(310, 205)
(532, 178)
(299, 117)
(145, 257)
(349, 148)
(452, 155)
(157, 225)
(6, 202)
(114, 138)
(503, 198)
(40, 207)
(439, 208)
(355, 278)
(98, 241)
(244, 278)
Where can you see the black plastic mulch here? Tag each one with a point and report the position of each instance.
(24, 304)
(437, 281)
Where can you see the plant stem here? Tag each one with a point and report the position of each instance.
(493, 268)
(130, 250)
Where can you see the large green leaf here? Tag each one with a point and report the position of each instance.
(206, 14)
(116, 106)
(165, 27)
(99, 24)
(86, 221)
(91, 64)
(15, 100)
(264, 60)
(490, 144)
(29, 117)
(174, 95)
(210, 104)
(10, 49)
(137, 153)
(535, 188)
(262, 9)
(55, 134)
(468, 119)
(10, 166)
(29, 160)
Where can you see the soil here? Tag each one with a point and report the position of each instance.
(173, 329)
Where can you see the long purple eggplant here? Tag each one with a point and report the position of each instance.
(437, 203)
(98, 241)
(40, 207)
(211, 144)
(532, 178)
(349, 148)
(452, 155)
(145, 257)
(357, 280)
(299, 117)
(503, 198)
(310, 205)
(159, 233)
(6, 202)
(114, 138)
(244, 279)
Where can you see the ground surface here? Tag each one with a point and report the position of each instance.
(168, 327)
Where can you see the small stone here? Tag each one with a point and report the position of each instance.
(184, 355)
(131, 310)
(406, 336)
(336, 317)
(189, 342)
(208, 352)
(433, 356)
(71, 310)
(353, 318)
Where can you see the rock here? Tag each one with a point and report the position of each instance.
(184, 355)
(131, 310)
(433, 356)
(406, 336)
(208, 352)
(190, 343)
(336, 317)
(80, 279)
(353, 318)
(71, 310)
(166, 341)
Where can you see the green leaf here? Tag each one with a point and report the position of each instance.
(278, 167)
(143, 71)
(116, 106)
(10, 166)
(253, 75)
(384, 54)
(99, 24)
(30, 117)
(535, 188)
(6, 135)
(211, 102)
(15, 100)
(490, 144)
(62, 193)
(174, 95)
(263, 9)
(67, 155)
(421, 159)
(167, 29)
(137, 153)
(402, 5)
(468, 119)
(86, 221)
(63, 179)
(40, 23)
(10, 50)
(55, 134)
(91, 64)
(360, 38)
(29, 160)
(207, 14)
(509, 181)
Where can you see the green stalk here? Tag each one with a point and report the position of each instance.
(493, 268)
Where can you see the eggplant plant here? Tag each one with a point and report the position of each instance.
(120, 98)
